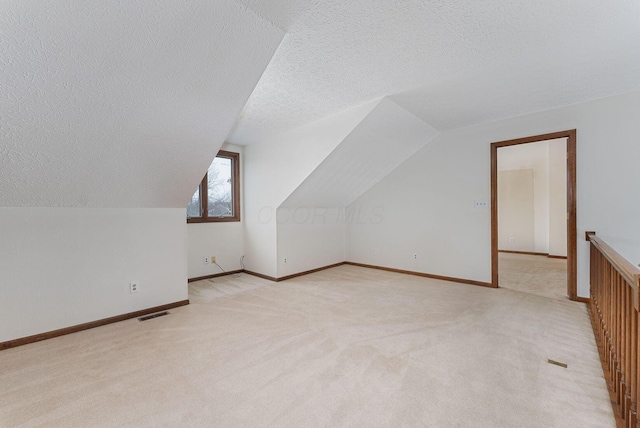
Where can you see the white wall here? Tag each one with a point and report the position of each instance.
(426, 207)
(275, 168)
(61, 267)
(427, 203)
(327, 163)
(260, 246)
(516, 220)
(309, 238)
(541, 204)
(558, 197)
(224, 240)
(533, 156)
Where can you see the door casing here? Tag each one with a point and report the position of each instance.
(572, 237)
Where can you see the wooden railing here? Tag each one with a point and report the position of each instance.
(615, 302)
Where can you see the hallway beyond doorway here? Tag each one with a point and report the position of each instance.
(539, 275)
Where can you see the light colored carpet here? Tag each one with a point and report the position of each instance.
(345, 347)
(539, 275)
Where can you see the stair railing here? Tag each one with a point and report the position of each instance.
(614, 306)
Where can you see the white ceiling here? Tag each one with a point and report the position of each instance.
(452, 63)
(121, 104)
(124, 104)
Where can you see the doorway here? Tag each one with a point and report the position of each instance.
(529, 239)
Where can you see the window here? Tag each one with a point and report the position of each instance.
(217, 198)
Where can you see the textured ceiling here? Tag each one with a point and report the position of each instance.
(121, 104)
(451, 63)
(384, 139)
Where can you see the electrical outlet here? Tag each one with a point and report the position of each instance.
(285, 260)
(481, 204)
(415, 256)
(205, 260)
(134, 286)
(213, 259)
(512, 240)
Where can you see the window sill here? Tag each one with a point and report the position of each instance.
(213, 220)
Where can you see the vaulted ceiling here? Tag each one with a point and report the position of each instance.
(124, 104)
(387, 136)
(452, 63)
(121, 104)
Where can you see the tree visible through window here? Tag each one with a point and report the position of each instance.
(217, 198)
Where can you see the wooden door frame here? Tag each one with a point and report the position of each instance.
(572, 237)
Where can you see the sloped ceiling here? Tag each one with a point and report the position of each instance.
(384, 139)
(296, 154)
(121, 104)
(451, 63)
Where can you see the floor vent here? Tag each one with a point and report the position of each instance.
(152, 316)
(557, 363)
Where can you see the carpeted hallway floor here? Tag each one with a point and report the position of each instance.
(533, 274)
(345, 347)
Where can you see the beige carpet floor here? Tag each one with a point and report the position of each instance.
(345, 347)
(539, 275)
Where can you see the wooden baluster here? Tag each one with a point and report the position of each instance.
(605, 334)
(606, 321)
(633, 357)
(613, 333)
(623, 344)
(609, 324)
(620, 343)
(604, 307)
(624, 362)
(617, 340)
(603, 275)
(599, 301)
(602, 310)
(635, 421)
(616, 336)
(624, 347)
(596, 315)
(626, 374)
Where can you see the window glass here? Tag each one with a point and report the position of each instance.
(222, 190)
(193, 209)
(220, 203)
